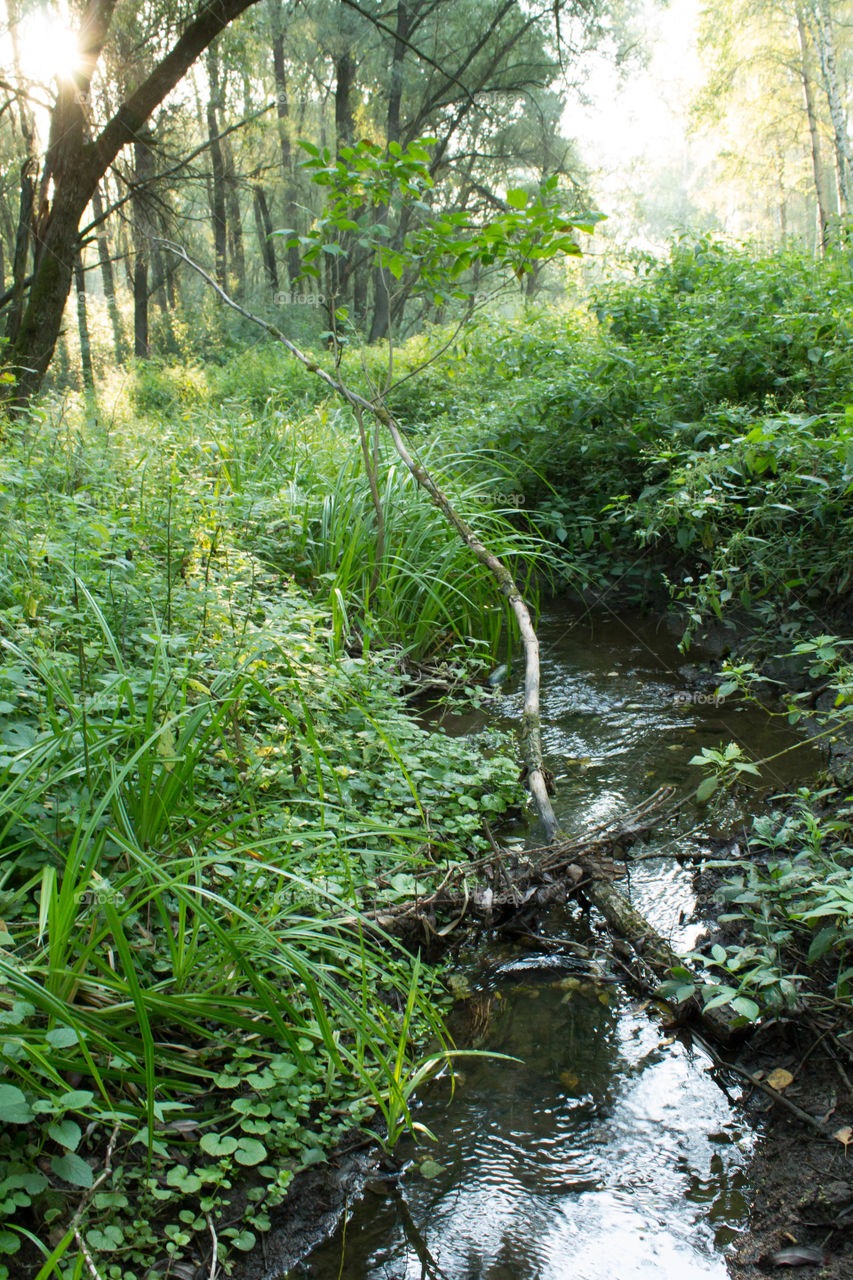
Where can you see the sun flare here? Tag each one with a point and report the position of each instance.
(49, 47)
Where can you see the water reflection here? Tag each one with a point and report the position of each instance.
(596, 1156)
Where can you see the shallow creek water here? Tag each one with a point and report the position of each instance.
(607, 1151)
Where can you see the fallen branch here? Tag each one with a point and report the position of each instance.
(819, 1126)
(538, 779)
(655, 952)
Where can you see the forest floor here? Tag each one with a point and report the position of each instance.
(802, 1210)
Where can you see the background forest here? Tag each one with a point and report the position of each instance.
(220, 587)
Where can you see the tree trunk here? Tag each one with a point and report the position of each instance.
(83, 326)
(344, 79)
(340, 267)
(814, 135)
(382, 276)
(108, 277)
(63, 360)
(817, 19)
(217, 172)
(157, 283)
(282, 106)
(235, 221)
(144, 170)
(263, 225)
(23, 238)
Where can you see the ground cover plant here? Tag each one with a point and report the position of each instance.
(199, 779)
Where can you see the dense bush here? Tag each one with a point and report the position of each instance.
(690, 435)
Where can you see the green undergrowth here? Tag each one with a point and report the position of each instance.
(786, 911)
(685, 436)
(289, 481)
(786, 900)
(201, 790)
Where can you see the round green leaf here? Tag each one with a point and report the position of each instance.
(9, 1242)
(250, 1151)
(14, 1108)
(215, 1145)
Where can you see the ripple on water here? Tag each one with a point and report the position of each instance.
(600, 1155)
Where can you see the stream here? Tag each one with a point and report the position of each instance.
(604, 1148)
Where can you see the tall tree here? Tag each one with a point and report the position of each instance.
(218, 216)
(282, 104)
(73, 166)
(816, 14)
(814, 131)
(144, 172)
(107, 274)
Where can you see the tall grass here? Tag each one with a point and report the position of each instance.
(429, 593)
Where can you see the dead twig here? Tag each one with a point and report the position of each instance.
(87, 1257)
(773, 1094)
(215, 1247)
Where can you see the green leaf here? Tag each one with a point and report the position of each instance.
(249, 1151)
(706, 789)
(62, 1037)
(67, 1133)
(106, 1239)
(14, 1108)
(821, 943)
(213, 1144)
(516, 198)
(73, 1169)
(9, 1242)
(746, 1008)
(74, 1099)
(723, 996)
(430, 1169)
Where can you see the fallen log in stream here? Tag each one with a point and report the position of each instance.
(497, 891)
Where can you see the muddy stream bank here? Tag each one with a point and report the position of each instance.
(608, 1149)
